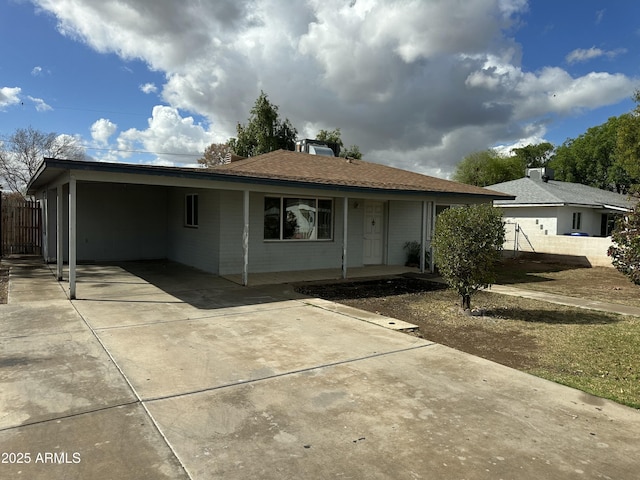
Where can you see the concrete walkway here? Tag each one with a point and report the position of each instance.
(161, 371)
(566, 300)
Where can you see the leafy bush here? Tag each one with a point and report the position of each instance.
(467, 242)
(625, 253)
(413, 254)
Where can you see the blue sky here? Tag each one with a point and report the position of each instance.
(416, 85)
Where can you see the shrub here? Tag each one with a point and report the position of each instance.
(467, 242)
(413, 254)
(625, 253)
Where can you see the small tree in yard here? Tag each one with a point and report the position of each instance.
(467, 243)
(625, 252)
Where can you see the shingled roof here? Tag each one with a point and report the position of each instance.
(296, 167)
(529, 192)
(284, 168)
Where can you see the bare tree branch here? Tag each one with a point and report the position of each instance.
(21, 154)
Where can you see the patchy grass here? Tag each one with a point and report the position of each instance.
(598, 283)
(4, 284)
(593, 351)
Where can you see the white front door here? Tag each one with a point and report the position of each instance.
(373, 233)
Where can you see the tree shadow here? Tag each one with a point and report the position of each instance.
(514, 271)
(565, 316)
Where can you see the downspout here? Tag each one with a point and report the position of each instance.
(59, 220)
(72, 237)
(345, 236)
(245, 240)
(432, 228)
(44, 226)
(423, 237)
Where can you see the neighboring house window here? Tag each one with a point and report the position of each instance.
(289, 218)
(191, 210)
(577, 220)
(607, 224)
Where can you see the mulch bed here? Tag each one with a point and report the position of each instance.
(385, 287)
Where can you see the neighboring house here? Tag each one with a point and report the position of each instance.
(544, 208)
(280, 211)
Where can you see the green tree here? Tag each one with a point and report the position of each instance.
(264, 132)
(628, 143)
(351, 152)
(23, 151)
(488, 167)
(215, 154)
(625, 251)
(591, 159)
(334, 136)
(533, 156)
(467, 245)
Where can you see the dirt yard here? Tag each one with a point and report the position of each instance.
(593, 351)
(434, 308)
(4, 284)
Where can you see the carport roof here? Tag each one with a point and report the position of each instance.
(285, 168)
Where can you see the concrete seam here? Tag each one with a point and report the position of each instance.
(65, 417)
(188, 319)
(135, 392)
(291, 372)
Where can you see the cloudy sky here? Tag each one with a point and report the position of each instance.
(416, 84)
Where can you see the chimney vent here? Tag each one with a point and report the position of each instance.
(540, 174)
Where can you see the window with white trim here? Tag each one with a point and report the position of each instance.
(577, 220)
(295, 218)
(191, 210)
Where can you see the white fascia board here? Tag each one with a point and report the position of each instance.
(616, 208)
(514, 205)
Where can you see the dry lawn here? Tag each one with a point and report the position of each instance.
(597, 283)
(596, 352)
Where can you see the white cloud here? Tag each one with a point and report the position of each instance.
(416, 84)
(169, 136)
(102, 129)
(36, 71)
(9, 96)
(148, 88)
(41, 105)
(584, 55)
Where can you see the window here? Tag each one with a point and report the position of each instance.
(191, 210)
(577, 221)
(288, 218)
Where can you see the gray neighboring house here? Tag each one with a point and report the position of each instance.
(277, 212)
(544, 209)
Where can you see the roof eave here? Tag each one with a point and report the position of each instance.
(511, 205)
(153, 170)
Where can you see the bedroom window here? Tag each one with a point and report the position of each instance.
(191, 210)
(291, 218)
(577, 221)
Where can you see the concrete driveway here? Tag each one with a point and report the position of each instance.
(161, 371)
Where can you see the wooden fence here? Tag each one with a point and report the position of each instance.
(20, 227)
